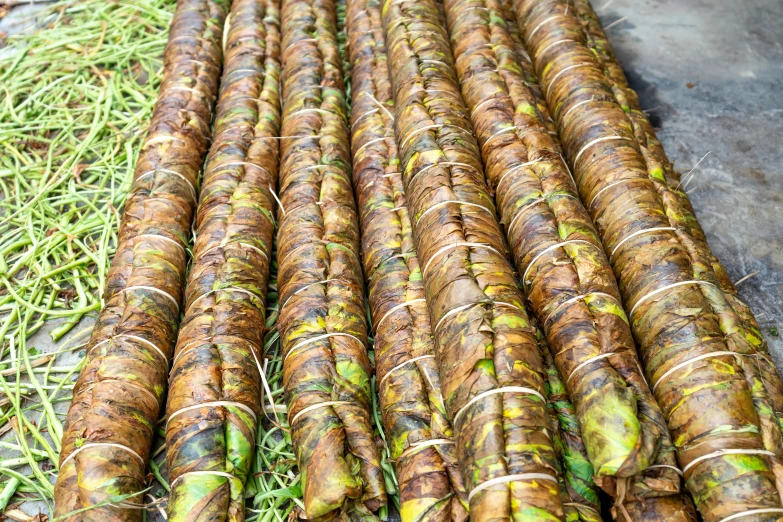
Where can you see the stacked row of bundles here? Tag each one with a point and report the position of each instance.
(120, 394)
(701, 349)
(520, 232)
(214, 403)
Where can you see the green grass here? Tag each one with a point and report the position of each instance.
(75, 99)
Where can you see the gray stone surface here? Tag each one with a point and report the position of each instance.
(710, 73)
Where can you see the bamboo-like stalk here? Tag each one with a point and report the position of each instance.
(214, 401)
(322, 322)
(701, 350)
(566, 273)
(119, 395)
(420, 435)
(491, 372)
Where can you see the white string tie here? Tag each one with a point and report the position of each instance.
(320, 338)
(242, 163)
(360, 118)
(596, 142)
(160, 139)
(592, 201)
(516, 168)
(203, 473)
(499, 133)
(135, 338)
(290, 46)
(442, 164)
(315, 407)
(656, 466)
(637, 234)
(185, 89)
(153, 289)
(226, 289)
(504, 389)
(575, 299)
(305, 287)
(574, 107)
(519, 212)
(587, 362)
(226, 404)
(752, 512)
(563, 71)
(683, 364)
(403, 365)
(485, 102)
(548, 250)
(723, 452)
(164, 238)
(169, 171)
(303, 111)
(445, 249)
(667, 287)
(396, 308)
(559, 42)
(102, 444)
(465, 307)
(510, 478)
(443, 203)
(379, 104)
(418, 446)
(376, 140)
(539, 26)
(277, 199)
(425, 128)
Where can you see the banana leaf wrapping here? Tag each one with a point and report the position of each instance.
(492, 376)
(566, 273)
(215, 390)
(579, 492)
(119, 395)
(414, 415)
(322, 322)
(700, 346)
(736, 319)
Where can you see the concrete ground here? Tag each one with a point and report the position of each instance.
(711, 72)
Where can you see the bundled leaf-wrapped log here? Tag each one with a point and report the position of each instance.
(492, 375)
(701, 351)
(736, 319)
(322, 317)
(215, 397)
(566, 273)
(119, 395)
(579, 492)
(414, 416)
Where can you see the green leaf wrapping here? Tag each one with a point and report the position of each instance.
(413, 411)
(575, 473)
(322, 322)
(119, 395)
(215, 394)
(685, 315)
(484, 339)
(568, 278)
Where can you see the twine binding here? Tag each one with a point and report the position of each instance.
(510, 478)
(315, 407)
(504, 389)
(398, 307)
(229, 404)
(403, 365)
(320, 338)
